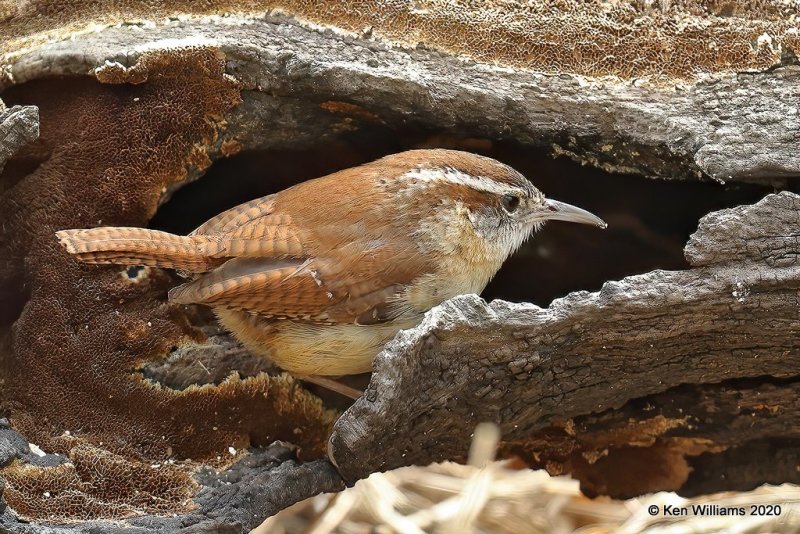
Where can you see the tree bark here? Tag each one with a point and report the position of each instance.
(732, 126)
(733, 316)
(670, 380)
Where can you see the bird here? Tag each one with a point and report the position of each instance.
(320, 276)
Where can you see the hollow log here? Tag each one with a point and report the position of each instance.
(127, 414)
(732, 316)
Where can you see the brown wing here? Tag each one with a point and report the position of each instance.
(237, 216)
(254, 230)
(260, 285)
(314, 290)
(279, 270)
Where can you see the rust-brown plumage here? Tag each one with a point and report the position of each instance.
(319, 276)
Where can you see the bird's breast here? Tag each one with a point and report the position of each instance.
(313, 349)
(455, 276)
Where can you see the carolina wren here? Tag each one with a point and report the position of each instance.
(319, 276)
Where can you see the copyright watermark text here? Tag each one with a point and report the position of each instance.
(707, 510)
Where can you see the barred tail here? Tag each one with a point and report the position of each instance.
(141, 246)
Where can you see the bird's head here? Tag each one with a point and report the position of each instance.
(500, 205)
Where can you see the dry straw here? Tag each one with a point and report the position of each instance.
(490, 497)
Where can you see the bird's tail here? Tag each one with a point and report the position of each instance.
(141, 246)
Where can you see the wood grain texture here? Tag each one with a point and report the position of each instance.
(19, 125)
(738, 126)
(730, 126)
(733, 315)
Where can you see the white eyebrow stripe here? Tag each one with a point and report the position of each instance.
(454, 176)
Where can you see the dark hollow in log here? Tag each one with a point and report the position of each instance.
(649, 220)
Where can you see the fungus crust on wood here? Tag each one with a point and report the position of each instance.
(96, 484)
(106, 155)
(691, 427)
(627, 39)
(717, 126)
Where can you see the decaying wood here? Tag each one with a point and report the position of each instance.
(235, 500)
(733, 315)
(18, 126)
(655, 369)
(729, 127)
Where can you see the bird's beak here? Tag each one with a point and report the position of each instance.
(553, 210)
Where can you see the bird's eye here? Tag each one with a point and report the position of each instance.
(510, 203)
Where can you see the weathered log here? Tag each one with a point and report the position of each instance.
(642, 373)
(18, 127)
(235, 500)
(731, 126)
(734, 315)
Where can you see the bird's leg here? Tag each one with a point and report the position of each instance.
(332, 385)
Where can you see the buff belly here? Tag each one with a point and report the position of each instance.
(309, 349)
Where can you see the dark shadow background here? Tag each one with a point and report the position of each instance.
(649, 220)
